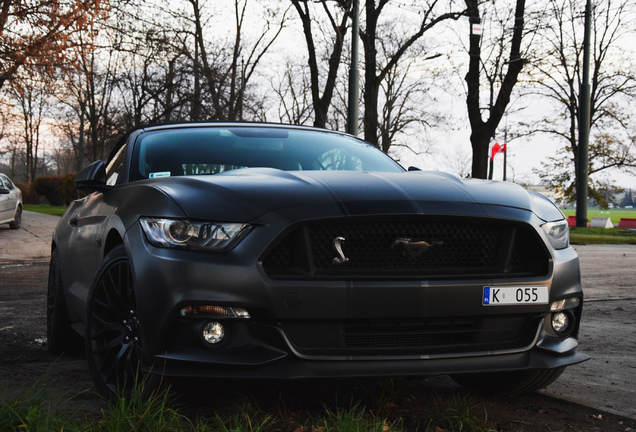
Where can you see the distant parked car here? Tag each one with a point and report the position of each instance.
(10, 203)
(268, 251)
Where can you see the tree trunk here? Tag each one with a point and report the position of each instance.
(483, 131)
(371, 84)
(322, 103)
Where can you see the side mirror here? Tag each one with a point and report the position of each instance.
(4, 191)
(413, 168)
(92, 178)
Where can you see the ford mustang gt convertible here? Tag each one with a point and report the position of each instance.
(242, 250)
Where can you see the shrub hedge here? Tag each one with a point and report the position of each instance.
(58, 190)
(29, 195)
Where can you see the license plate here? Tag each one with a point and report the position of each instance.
(496, 296)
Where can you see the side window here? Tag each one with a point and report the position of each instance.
(4, 184)
(114, 166)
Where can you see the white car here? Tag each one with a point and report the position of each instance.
(10, 203)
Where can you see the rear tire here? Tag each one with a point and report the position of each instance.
(17, 219)
(61, 338)
(113, 346)
(508, 383)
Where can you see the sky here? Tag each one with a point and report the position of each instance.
(523, 157)
(444, 146)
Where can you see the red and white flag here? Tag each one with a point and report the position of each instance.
(497, 149)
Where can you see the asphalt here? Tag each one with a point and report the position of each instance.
(606, 382)
(31, 242)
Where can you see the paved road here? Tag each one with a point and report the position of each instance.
(606, 382)
(608, 332)
(31, 242)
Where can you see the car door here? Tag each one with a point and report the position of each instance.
(5, 201)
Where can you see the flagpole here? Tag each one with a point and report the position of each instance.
(584, 125)
(506, 149)
(353, 106)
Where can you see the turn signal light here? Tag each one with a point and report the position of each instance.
(210, 311)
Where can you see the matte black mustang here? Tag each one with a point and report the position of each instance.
(271, 251)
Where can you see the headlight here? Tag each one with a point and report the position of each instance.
(185, 234)
(558, 233)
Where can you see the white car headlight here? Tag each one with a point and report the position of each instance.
(558, 233)
(185, 234)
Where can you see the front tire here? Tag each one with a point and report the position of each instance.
(113, 346)
(508, 383)
(17, 219)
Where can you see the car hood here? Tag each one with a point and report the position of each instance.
(244, 195)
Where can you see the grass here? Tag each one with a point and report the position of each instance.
(46, 209)
(588, 236)
(614, 214)
(33, 410)
(457, 413)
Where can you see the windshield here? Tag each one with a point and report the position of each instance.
(213, 150)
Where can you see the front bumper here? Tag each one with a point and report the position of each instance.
(271, 362)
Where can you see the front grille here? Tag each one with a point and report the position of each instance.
(420, 247)
(413, 337)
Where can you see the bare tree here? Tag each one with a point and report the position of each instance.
(457, 160)
(227, 73)
(337, 19)
(406, 102)
(31, 92)
(613, 89)
(292, 90)
(382, 70)
(501, 73)
(154, 80)
(90, 82)
(35, 33)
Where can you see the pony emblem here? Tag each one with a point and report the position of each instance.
(414, 249)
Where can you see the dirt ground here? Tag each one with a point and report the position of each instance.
(596, 395)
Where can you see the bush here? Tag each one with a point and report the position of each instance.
(29, 195)
(58, 190)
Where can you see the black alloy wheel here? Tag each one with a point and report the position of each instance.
(113, 345)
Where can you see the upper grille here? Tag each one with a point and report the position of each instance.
(397, 248)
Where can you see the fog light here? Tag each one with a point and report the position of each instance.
(560, 322)
(213, 332)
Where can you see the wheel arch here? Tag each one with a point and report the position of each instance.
(113, 239)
